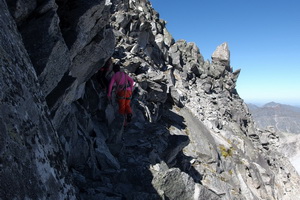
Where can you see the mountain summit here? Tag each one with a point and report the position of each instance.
(191, 135)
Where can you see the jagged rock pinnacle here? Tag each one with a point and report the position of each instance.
(222, 54)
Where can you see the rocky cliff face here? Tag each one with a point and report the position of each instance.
(191, 136)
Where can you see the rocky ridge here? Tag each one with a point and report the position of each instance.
(191, 137)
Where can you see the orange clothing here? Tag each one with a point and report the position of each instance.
(124, 97)
(124, 87)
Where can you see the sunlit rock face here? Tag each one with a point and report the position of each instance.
(191, 135)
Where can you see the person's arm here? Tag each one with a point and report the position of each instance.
(131, 82)
(112, 81)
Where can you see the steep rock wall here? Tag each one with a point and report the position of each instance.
(191, 137)
(31, 159)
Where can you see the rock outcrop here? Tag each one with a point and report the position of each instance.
(191, 135)
(32, 164)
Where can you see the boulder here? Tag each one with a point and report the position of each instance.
(174, 184)
(156, 92)
(222, 55)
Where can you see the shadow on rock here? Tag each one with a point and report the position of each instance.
(152, 162)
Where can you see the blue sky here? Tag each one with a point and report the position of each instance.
(263, 38)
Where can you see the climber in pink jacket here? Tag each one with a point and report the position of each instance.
(124, 87)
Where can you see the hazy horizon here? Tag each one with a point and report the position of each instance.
(262, 103)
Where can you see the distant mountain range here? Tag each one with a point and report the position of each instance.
(286, 121)
(284, 118)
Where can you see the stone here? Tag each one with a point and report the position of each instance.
(21, 9)
(175, 144)
(176, 59)
(92, 57)
(156, 92)
(222, 54)
(173, 184)
(104, 157)
(168, 39)
(177, 96)
(32, 163)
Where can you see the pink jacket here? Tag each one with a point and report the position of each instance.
(120, 78)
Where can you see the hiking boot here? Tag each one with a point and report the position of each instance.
(129, 116)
